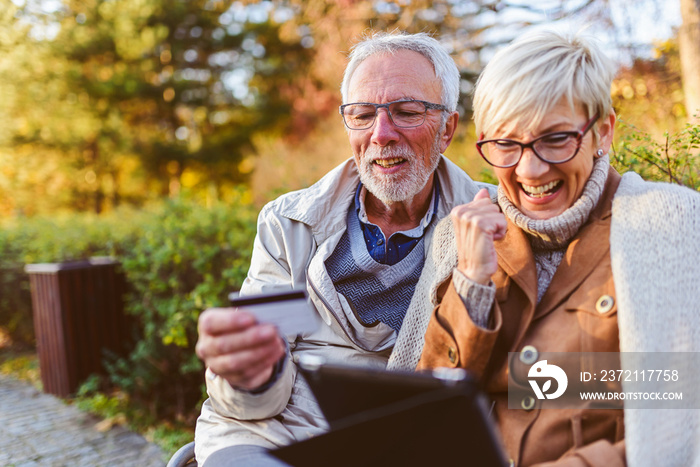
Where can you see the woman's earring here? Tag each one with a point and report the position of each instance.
(599, 153)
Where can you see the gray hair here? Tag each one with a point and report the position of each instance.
(388, 43)
(529, 77)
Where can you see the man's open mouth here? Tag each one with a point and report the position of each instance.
(386, 163)
(542, 190)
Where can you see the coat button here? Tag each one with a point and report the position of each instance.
(528, 403)
(452, 354)
(604, 304)
(529, 355)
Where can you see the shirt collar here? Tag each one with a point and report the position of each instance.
(361, 195)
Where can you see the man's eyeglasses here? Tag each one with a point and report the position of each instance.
(404, 114)
(553, 148)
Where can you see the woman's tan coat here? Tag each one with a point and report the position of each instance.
(567, 319)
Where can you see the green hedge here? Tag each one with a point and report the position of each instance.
(178, 257)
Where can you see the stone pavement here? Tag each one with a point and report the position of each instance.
(38, 430)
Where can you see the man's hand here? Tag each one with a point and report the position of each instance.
(234, 346)
(477, 225)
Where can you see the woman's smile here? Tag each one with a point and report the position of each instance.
(542, 191)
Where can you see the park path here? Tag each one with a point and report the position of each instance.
(38, 430)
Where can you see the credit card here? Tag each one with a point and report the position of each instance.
(290, 311)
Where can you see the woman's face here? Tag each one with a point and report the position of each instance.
(542, 190)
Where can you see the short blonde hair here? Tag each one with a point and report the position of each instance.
(529, 77)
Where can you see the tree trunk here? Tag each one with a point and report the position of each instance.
(689, 45)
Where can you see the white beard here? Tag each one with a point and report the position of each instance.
(401, 186)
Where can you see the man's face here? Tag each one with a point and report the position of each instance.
(395, 164)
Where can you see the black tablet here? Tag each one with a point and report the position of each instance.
(382, 418)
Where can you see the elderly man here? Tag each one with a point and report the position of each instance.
(356, 240)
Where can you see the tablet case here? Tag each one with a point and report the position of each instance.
(381, 418)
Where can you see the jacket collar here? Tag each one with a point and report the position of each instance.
(582, 255)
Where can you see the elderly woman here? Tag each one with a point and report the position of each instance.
(573, 257)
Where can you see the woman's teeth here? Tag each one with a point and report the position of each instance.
(386, 163)
(540, 191)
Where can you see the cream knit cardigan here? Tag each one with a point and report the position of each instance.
(655, 253)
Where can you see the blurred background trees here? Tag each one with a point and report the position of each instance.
(120, 101)
(689, 41)
(105, 102)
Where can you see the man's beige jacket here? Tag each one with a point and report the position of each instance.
(296, 234)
